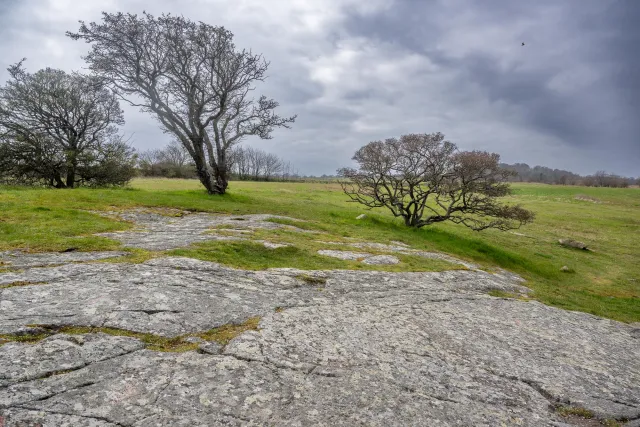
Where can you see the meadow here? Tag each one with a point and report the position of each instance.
(604, 281)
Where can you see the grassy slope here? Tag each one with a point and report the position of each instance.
(606, 282)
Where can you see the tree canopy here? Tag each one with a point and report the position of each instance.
(61, 129)
(424, 179)
(191, 77)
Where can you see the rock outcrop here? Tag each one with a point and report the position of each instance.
(356, 348)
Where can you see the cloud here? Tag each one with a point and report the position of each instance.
(356, 71)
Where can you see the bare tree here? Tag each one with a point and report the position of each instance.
(175, 153)
(191, 76)
(248, 163)
(58, 128)
(172, 161)
(272, 166)
(600, 178)
(424, 179)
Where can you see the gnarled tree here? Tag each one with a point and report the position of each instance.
(62, 130)
(425, 179)
(191, 77)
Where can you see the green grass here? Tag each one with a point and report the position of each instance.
(254, 256)
(605, 282)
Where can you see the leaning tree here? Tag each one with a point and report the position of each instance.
(425, 179)
(62, 130)
(191, 77)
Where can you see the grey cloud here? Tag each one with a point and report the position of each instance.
(568, 99)
(598, 36)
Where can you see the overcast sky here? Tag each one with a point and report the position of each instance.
(361, 70)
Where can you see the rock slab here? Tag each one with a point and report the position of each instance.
(365, 348)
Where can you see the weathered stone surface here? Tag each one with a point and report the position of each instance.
(27, 418)
(210, 347)
(22, 362)
(451, 362)
(345, 255)
(18, 259)
(381, 247)
(367, 348)
(271, 245)
(174, 296)
(162, 232)
(381, 260)
(396, 247)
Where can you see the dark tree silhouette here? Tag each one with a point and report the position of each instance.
(61, 129)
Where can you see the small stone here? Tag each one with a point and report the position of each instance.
(381, 260)
(573, 244)
(210, 347)
(194, 340)
(362, 216)
(270, 245)
(565, 268)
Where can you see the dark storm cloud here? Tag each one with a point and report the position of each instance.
(589, 44)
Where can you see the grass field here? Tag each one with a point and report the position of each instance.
(605, 282)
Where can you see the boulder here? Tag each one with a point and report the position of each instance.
(570, 243)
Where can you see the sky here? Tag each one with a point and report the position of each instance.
(356, 71)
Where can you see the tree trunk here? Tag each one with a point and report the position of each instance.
(71, 177)
(206, 179)
(222, 178)
(221, 171)
(72, 164)
(59, 183)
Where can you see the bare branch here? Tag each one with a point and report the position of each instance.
(191, 77)
(421, 173)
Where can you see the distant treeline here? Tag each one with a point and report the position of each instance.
(542, 174)
(245, 164)
(252, 164)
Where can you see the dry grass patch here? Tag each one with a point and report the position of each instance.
(21, 283)
(221, 335)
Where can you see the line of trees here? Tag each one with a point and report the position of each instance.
(252, 164)
(244, 163)
(525, 173)
(173, 161)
